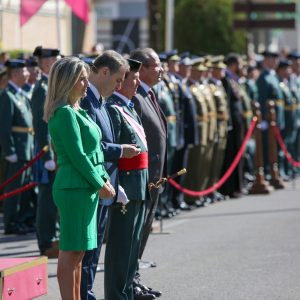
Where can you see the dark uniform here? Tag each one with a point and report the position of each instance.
(234, 185)
(290, 115)
(16, 139)
(268, 89)
(166, 102)
(191, 136)
(46, 218)
(125, 229)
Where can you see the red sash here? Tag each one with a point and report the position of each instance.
(135, 163)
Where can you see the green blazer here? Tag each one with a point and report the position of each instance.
(76, 140)
(15, 111)
(135, 182)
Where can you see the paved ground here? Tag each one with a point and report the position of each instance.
(245, 249)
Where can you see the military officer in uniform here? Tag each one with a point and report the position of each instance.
(35, 72)
(126, 220)
(191, 136)
(164, 93)
(155, 126)
(16, 139)
(268, 89)
(222, 116)
(290, 111)
(195, 177)
(233, 187)
(211, 127)
(46, 215)
(294, 83)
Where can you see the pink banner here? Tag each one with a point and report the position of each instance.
(80, 8)
(29, 8)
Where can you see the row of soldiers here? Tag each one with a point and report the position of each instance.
(208, 105)
(207, 102)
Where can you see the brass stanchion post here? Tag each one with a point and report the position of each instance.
(260, 185)
(275, 181)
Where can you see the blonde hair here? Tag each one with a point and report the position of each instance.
(63, 75)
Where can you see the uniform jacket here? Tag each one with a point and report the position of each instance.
(76, 140)
(42, 137)
(15, 111)
(134, 182)
(268, 89)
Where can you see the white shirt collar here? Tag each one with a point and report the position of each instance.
(17, 88)
(124, 98)
(145, 86)
(95, 91)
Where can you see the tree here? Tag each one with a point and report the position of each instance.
(206, 26)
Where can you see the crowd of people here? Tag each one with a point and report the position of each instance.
(114, 124)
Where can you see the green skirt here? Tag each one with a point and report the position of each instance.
(78, 213)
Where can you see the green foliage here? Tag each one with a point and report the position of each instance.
(16, 53)
(206, 26)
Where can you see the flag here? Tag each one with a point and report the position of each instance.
(29, 8)
(80, 8)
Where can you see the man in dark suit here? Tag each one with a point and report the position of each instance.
(16, 140)
(46, 214)
(155, 126)
(107, 75)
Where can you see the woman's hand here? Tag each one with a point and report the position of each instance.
(107, 191)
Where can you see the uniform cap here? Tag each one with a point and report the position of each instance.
(134, 65)
(217, 62)
(31, 62)
(283, 63)
(15, 63)
(41, 52)
(172, 55)
(268, 53)
(293, 55)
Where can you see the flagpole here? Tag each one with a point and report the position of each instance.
(58, 29)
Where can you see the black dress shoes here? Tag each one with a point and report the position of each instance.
(149, 290)
(16, 228)
(141, 295)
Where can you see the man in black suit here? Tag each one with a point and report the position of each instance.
(107, 75)
(155, 126)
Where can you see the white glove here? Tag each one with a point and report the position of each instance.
(264, 125)
(12, 158)
(50, 165)
(122, 197)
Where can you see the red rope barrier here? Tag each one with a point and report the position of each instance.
(19, 190)
(288, 156)
(226, 175)
(28, 165)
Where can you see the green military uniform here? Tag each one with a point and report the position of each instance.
(294, 84)
(16, 137)
(46, 210)
(251, 89)
(290, 130)
(124, 230)
(269, 89)
(164, 97)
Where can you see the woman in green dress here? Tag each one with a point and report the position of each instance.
(81, 177)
